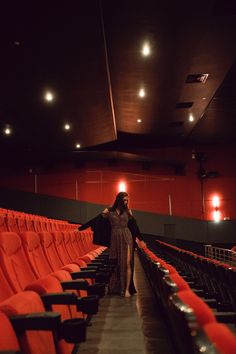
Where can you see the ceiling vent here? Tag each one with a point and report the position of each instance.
(177, 124)
(197, 78)
(180, 105)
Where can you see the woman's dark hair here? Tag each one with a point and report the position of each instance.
(119, 203)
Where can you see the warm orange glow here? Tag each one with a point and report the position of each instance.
(216, 216)
(216, 204)
(216, 201)
(122, 187)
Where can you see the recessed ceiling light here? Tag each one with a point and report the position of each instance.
(142, 93)
(203, 98)
(146, 50)
(78, 146)
(7, 131)
(191, 118)
(49, 97)
(139, 120)
(67, 126)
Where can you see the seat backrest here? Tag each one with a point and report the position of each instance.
(52, 256)
(29, 224)
(34, 252)
(37, 224)
(5, 289)
(83, 246)
(50, 251)
(8, 339)
(11, 223)
(3, 225)
(51, 284)
(21, 222)
(76, 249)
(201, 310)
(58, 240)
(221, 337)
(68, 246)
(14, 262)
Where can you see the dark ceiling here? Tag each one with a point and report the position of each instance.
(88, 54)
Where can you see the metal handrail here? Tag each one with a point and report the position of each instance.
(223, 255)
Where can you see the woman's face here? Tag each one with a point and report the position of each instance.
(125, 200)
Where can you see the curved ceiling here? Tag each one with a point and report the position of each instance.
(89, 56)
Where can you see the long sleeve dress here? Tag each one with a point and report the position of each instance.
(121, 243)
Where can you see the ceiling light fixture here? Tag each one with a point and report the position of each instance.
(146, 50)
(191, 118)
(139, 120)
(67, 126)
(49, 96)
(7, 131)
(78, 146)
(142, 93)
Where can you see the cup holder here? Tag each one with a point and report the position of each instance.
(102, 277)
(88, 304)
(98, 289)
(74, 330)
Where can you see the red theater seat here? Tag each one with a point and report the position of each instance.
(33, 341)
(8, 339)
(16, 265)
(38, 261)
(5, 289)
(18, 274)
(52, 256)
(13, 261)
(187, 312)
(170, 284)
(70, 251)
(34, 252)
(3, 225)
(219, 337)
(64, 257)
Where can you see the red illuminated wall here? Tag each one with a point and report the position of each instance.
(150, 190)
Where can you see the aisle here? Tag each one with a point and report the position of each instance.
(127, 326)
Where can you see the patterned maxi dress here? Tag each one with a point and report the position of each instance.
(121, 244)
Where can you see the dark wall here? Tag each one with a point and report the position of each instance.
(52, 207)
(184, 232)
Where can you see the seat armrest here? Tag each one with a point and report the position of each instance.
(58, 299)
(84, 274)
(79, 284)
(36, 321)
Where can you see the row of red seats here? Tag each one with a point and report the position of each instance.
(20, 222)
(57, 272)
(193, 326)
(216, 279)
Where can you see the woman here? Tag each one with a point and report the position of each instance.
(121, 246)
(116, 228)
